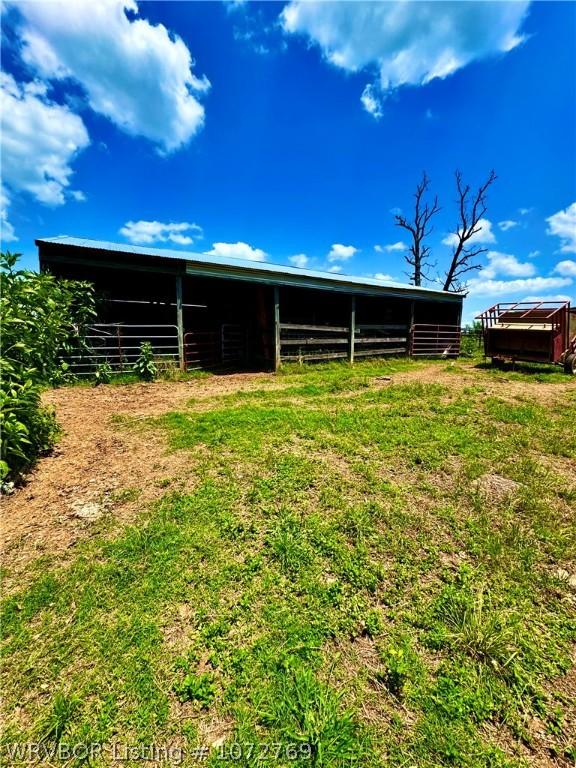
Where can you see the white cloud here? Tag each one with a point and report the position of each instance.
(553, 297)
(39, 141)
(78, 195)
(147, 232)
(483, 236)
(392, 248)
(563, 225)
(508, 265)
(533, 254)
(298, 260)
(407, 43)
(479, 286)
(136, 74)
(237, 250)
(371, 102)
(566, 268)
(340, 252)
(525, 211)
(8, 235)
(507, 224)
(385, 277)
(335, 268)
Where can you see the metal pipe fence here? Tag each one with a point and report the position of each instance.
(118, 345)
(208, 349)
(431, 340)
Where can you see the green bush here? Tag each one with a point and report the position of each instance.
(43, 321)
(145, 367)
(103, 373)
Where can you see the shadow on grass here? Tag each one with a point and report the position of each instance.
(541, 371)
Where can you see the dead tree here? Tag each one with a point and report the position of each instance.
(419, 228)
(472, 209)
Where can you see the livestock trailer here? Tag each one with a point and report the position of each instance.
(532, 331)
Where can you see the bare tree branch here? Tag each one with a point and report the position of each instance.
(419, 228)
(471, 212)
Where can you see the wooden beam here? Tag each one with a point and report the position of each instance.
(180, 323)
(387, 327)
(327, 328)
(411, 331)
(303, 342)
(380, 352)
(277, 360)
(352, 329)
(316, 356)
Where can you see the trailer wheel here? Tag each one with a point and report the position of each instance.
(570, 364)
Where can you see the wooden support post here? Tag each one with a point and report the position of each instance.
(180, 323)
(276, 327)
(411, 330)
(352, 329)
(459, 323)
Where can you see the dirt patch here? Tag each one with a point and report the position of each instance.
(98, 470)
(215, 731)
(460, 375)
(495, 487)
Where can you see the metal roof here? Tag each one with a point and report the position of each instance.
(259, 271)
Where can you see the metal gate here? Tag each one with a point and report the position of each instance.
(118, 345)
(208, 349)
(429, 340)
(200, 349)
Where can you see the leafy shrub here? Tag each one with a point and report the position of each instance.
(145, 367)
(103, 373)
(28, 429)
(43, 321)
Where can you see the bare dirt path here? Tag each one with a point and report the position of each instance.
(98, 468)
(95, 464)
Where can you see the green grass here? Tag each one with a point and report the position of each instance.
(337, 584)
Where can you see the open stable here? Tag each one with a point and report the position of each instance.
(204, 312)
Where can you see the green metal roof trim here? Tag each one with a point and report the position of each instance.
(258, 271)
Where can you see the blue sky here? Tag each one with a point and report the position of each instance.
(290, 132)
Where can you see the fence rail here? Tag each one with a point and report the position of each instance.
(208, 349)
(118, 345)
(299, 342)
(429, 340)
(200, 349)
